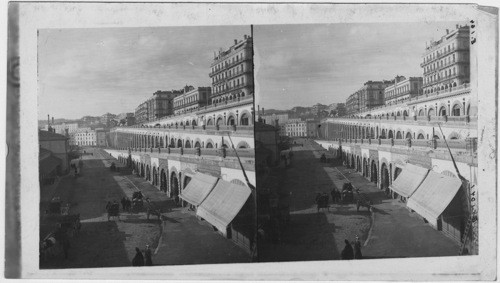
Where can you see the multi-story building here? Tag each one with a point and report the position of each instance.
(296, 128)
(352, 104)
(367, 97)
(161, 104)
(58, 145)
(403, 89)
(312, 128)
(446, 62)
(100, 137)
(232, 72)
(192, 99)
(84, 137)
(61, 128)
(394, 145)
(275, 119)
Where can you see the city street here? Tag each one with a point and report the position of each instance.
(179, 239)
(390, 231)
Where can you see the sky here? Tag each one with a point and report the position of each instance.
(94, 71)
(301, 65)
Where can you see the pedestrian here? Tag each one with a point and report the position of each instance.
(148, 256)
(138, 258)
(332, 193)
(347, 252)
(124, 203)
(357, 249)
(128, 204)
(108, 208)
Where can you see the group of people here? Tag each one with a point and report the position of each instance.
(126, 204)
(143, 259)
(352, 253)
(73, 166)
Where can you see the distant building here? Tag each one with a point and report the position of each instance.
(49, 166)
(367, 97)
(275, 119)
(100, 135)
(58, 145)
(61, 128)
(89, 120)
(403, 89)
(232, 72)
(191, 99)
(296, 128)
(312, 128)
(85, 138)
(161, 104)
(446, 62)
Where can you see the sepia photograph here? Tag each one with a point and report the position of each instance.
(251, 141)
(146, 151)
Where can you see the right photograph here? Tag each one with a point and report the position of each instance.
(366, 140)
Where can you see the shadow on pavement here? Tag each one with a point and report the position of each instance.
(308, 237)
(99, 244)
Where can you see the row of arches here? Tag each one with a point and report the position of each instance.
(162, 140)
(352, 131)
(237, 118)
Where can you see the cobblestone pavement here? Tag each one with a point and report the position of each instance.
(312, 235)
(179, 239)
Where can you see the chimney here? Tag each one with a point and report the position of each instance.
(245, 36)
(235, 41)
(48, 119)
(52, 120)
(263, 111)
(258, 110)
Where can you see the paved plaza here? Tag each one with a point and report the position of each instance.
(180, 239)
(391, 231)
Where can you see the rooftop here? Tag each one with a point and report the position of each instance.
(48, 136)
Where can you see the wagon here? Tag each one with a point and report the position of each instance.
(363, 201)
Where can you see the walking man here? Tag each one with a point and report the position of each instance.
(357, 249)
(148, 256)
(138, 258)
(347, 252)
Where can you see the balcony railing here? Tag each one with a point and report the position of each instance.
(244, 129)
(468, 145)
(229, 65)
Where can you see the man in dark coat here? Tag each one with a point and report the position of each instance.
(138, 258)
(347, 252)
(357, 249)
(148, 256)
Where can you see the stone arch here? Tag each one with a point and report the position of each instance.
(245, 118)
(231, 119)
(163, 180)
(243, 144)
(448, 173)
(210, 122)
(193, 122)
(209, 143)
(405, 113)
(238, 182)
(456, 109)
(454, 136)
(383, 134)
(179, 143)
(220, 120)
(187, 144)
(148, 173)
(408, 135)
(155, 178)
(384, 177)
(421, 112)
(390, 135)
(174, 185)
(172, 142)
(373, 172)
(420, 136)
(442, 111)
(399, 135)
(430, 112)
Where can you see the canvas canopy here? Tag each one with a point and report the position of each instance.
(409, 179)
(223, 203)
(198, 188)
(434, 195)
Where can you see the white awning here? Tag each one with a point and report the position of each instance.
(409, 179)
(223, 203)
(434, 195)
(198, 188)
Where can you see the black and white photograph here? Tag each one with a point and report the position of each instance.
(251, 141)
(377, 146)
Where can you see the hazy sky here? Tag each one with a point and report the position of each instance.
(301, 65)
(94, 71)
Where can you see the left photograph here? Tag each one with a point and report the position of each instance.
(146, 146)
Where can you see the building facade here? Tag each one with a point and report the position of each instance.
(61, 128)
(100, 137)
(232, 72)
(84, 137)
(191, 99)
(403, 89)
(58, 145)
(161, 104)
(296, 128)
(446, 62)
